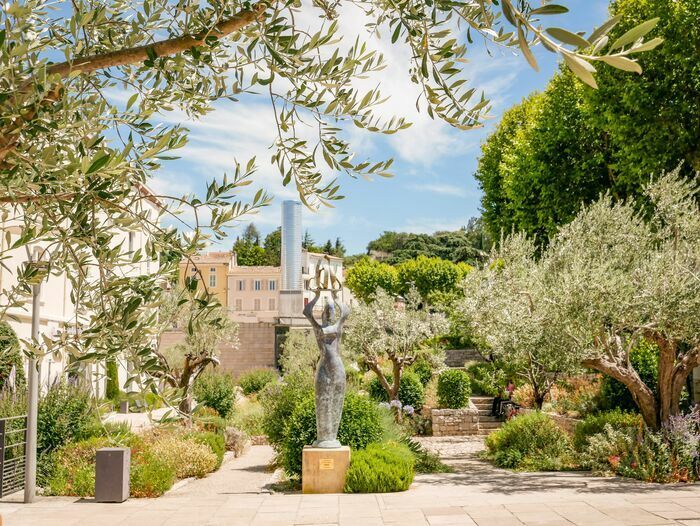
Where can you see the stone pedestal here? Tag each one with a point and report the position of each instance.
(323, 470)
(112, 474)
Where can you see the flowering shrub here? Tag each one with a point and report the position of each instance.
(411, 390)
(604, 450)
(668, 455)
(189, 458)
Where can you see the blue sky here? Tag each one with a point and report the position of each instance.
(433, 189)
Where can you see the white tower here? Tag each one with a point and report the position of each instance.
(291, 245)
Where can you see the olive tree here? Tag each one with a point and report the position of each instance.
(385, 330)
(88, 89)
(506, 309)
(180, 365)
(609, 279)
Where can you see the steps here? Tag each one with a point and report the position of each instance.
(487, 423)
(456, 358)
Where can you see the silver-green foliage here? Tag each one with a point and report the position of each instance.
(607, 280)
(85, 86)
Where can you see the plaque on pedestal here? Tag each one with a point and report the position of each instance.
(323, 470)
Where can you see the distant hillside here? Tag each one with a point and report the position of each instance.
(468, 244)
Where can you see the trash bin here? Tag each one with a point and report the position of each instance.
(112, 474)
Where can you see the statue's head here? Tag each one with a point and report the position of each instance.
(328, 315)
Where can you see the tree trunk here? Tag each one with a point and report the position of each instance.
(641, 393)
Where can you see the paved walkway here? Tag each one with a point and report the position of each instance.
(477, 494)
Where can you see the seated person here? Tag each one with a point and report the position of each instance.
(496, 406)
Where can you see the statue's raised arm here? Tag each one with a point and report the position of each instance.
(309, 309)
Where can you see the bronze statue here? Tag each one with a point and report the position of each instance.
(330, 372)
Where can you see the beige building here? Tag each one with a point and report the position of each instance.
(253, 293)
(213, 267)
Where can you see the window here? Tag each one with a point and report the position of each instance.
(272, 304)
(239, 304)
(307, 284)
(241, 284)
(272, 284)
(131, 241)
(257, 305)
(212, 277)
(257, 284)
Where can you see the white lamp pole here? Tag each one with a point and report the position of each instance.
(33, 395)
(32, 404)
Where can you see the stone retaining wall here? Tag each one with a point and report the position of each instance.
(567, 423)
(455, 422)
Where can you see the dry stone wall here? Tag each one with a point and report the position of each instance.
(456, 422)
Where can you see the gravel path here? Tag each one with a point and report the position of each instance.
(248, 474)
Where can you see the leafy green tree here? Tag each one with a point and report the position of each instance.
(366, 276)
(249, 254)
(651, 120)
(83, 91)
(251, 234)
(179, 366)
(328, 248)
(544, 162)
(558, 150)
(428, 275)
(273, 247)
(339, 248)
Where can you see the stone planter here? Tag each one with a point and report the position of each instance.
(456, 422)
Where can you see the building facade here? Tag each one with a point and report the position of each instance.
(211, 270)
(57, 312)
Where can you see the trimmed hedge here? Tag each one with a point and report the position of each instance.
(112, 391)
(380, 468)
(411, 390)
(360, 426)
(453, 389)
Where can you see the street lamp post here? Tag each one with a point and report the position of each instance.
(33, 395)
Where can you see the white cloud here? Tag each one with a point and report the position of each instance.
(440, 189)
(429, 225)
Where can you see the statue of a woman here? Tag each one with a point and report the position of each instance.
(330, 373)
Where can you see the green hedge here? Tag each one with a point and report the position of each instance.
(411, 390)
(594, 424)
(453, 389)
(254, 381)
(380, 468)
(532, 441)
(112, 391)
(10, 356)
(66, 414)
(216, 390)
(279, 402)
(360, 425)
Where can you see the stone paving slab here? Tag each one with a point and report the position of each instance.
(477, 495)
